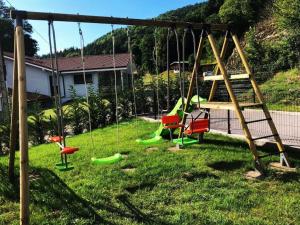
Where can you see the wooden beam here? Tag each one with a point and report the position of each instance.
(228, 105)
(233, 97)
(220, 77)
(14, 118)
(23, 129)
(192, 82)
(223, 52)
(112, 20)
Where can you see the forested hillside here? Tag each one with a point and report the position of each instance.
(248, 16)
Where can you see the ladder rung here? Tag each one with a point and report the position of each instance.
(273, 135)
(256, 121)
(220, 77)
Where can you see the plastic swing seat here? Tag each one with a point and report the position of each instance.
(56, 139)
(108, 160)
(171, 122)
(69, 150)
(197, 127)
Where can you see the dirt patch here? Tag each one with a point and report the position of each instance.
(151, 149)
(128, 168)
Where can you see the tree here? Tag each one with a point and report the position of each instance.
(288, 15)
(241, 13)
(7, 33)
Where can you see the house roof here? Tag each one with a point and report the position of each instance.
(92, 62)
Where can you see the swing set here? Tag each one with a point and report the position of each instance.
(195, 126)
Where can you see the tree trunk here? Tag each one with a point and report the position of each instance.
(4, 108)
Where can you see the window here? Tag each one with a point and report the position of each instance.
(78, 78)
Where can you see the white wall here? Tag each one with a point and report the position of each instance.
(37, 80)
(80, 88)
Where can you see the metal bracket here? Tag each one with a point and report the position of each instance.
(284, 161)
(259, 166)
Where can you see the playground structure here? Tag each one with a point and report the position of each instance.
(19, 105)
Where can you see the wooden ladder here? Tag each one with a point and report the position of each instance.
(234, 104)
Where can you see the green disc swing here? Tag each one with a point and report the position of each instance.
(116, 157)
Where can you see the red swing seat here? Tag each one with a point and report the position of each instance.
(69, 150)
(197, 127)
(171, 122)
(56, 139)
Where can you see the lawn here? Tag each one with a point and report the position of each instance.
(203, 184)
(282, 91)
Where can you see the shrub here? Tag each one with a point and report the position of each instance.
(98, 107)
(76, 114)
(37, 124)
(4, 137)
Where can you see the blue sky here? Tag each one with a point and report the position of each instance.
(67, 33)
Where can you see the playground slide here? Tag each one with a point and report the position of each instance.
(160, 132)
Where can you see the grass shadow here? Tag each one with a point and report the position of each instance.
(226, 165)
(137, 213)
(193, 176)
(48, 190)
(286, 177)
(234, 143)
(143, 186)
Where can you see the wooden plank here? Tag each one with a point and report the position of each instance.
(223, 52)
(23, 129)
(112, 20)
(228, 105)
(220, 77)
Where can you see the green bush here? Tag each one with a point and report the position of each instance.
(98, 107)
(38, 124)
(4, 137)
(76, 114)
(241, 13)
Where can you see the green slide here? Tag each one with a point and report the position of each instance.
(160, 132)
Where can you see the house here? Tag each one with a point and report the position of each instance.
(99, 74)
(175, 66)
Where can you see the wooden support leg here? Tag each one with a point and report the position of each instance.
(283, 155)
(223, 53)
(14, 119)
(237, 108)
(192, 82)
(23, 130)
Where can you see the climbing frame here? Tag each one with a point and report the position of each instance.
(234, 104)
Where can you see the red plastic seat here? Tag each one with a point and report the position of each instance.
(69, 150)
(171, 122)
(197, 127)
(56, 139)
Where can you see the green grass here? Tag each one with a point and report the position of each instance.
(282, 91)
(159, 191)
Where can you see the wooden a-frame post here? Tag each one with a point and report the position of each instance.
(233, 98)
(261, 100)
(23, 129)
